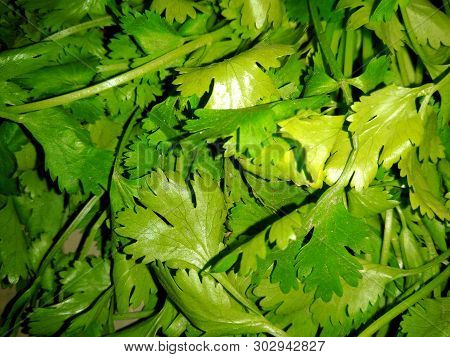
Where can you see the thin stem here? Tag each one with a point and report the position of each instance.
(405, 304)
(367, 46)
(10, 116)
(396, 273)
(407, 71)
(326, 50)
(154, 65)
(432, 253)
(100, 22)
(387, 237)
(349, 53)
(91, 236)
(67, 233)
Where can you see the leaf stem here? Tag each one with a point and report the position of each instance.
(99, 22)
(91, 236)
(154, 65)
(405, 304)
(67, 233)
(349, 53)
(326, 50)
(396, 273)
(387, 237)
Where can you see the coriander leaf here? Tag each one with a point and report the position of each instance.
(374, 74)
(13, 246)
(317, 134)
(82, 285)
(297, 10)
(255, 123)
(209, 306)
(391, 31)
(424, 186)
(171, 227)
(384, 10)
(431, 147)
(387, 123)
(354, 307)
(12, 140)
(339, 156)
(320, 83)
(276, 194)
(34, 205)
(290, 311)
(437, 23)
(369, 201)
(56, 79)
(238, 82)
(151, 326)
(324, 260)
(281, 232)
(246, 218)
(17, 61)
(105, 133)
(428, 318)
(154, 35)
(133, 283)
(284, 271)
(278, 159)
(287, 78)
(11, 93)
(177, 10)
(70, 156)
(252, 16)
(56, 14)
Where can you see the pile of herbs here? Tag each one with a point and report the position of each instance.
(225, 167)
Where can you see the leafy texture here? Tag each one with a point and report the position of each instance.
(183, 168)
(84, 284)
(180, 233)
(425, 191)
(238, 82)
(224, 316)
(436, 31)
(428, 318)
(13, 253)
(324, 260)
(387, 124)
(177, 10)
(71, 157)
(317, 134)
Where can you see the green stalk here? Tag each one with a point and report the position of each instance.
(387, 237)
(349, 53)
(100, 22)
(405, 304)
(91, 236)
(396, 273)
(367, 46)
(154, 65)
(326, 50)
(406, 67)
(67, 233)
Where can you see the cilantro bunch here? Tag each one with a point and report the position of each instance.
(225, 167)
